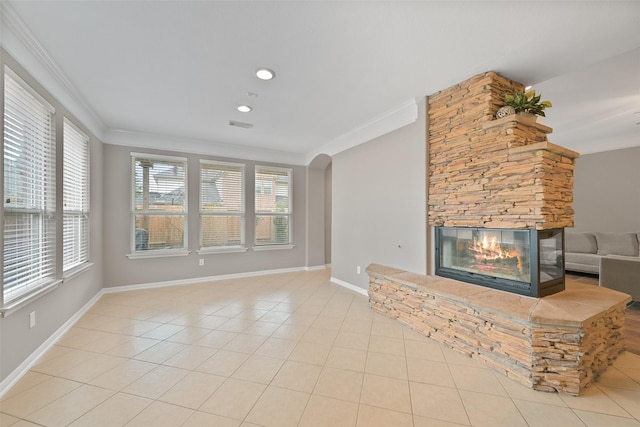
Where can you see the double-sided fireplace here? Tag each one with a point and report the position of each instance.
(523, 261)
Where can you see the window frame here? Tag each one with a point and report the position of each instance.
(238, 167)
(40, 275)
(162, 252)
(82, 254)
(276, 170)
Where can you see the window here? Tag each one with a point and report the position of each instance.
(273, 206)
(29, 190)
(75, 235)
(159, 214)
(221, 205)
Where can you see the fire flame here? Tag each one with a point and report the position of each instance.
(489, 250)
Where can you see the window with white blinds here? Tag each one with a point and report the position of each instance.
(75, 235)
(159, 213)
(273, 205)
(222, 213)
(29, 190)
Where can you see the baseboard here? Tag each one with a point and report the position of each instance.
(316, 267)
(30, 361)
(195, 280)
(350, 286)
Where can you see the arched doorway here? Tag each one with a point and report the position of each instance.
(319, 211)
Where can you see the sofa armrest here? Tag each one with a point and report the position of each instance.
(621, 274)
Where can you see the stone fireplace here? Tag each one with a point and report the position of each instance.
(496, 178)
(499, 197)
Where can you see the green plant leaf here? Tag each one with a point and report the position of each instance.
(527, 102)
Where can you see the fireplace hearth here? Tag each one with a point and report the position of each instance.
(523, 261)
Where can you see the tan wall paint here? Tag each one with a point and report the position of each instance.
(606, 194)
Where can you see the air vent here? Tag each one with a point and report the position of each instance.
(240, 124)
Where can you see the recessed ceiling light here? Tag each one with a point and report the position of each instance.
(265, 73)
(244, 108)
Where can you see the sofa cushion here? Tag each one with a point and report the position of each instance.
(584, 263)
(581, 258)
(576, 242)
(617, 244)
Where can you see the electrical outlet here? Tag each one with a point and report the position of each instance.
(201, 262)
(32, 319)
(358, 270)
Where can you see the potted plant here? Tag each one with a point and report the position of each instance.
(527, 102)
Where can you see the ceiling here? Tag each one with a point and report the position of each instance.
(171, 71)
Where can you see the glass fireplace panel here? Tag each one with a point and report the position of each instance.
(551, 259)
(524, 261)
(503, 254)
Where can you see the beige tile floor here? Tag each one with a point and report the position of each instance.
(282, 350)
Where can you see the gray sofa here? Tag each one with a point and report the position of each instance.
(614, 256)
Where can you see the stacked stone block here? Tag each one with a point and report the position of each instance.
(494, 173)
(545, 354)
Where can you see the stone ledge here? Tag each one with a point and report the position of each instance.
(516, 119)
(577, 305)
(548, 146)
(557, 343)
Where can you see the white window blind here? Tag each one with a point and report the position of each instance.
(29, 190)
(222, 204)
(273, 205)
(159, 203)
(76, 197)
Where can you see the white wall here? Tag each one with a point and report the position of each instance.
(379, 204)
(606, 193)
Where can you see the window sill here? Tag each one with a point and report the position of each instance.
(227, 250)
(17, 304)
(68, 275)
(272, 247)
(158, 254)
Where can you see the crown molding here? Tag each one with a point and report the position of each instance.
(397, 117)
(200, 146)
(20, 43)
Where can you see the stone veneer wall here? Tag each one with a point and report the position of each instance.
(518, 337)
(494, 173)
